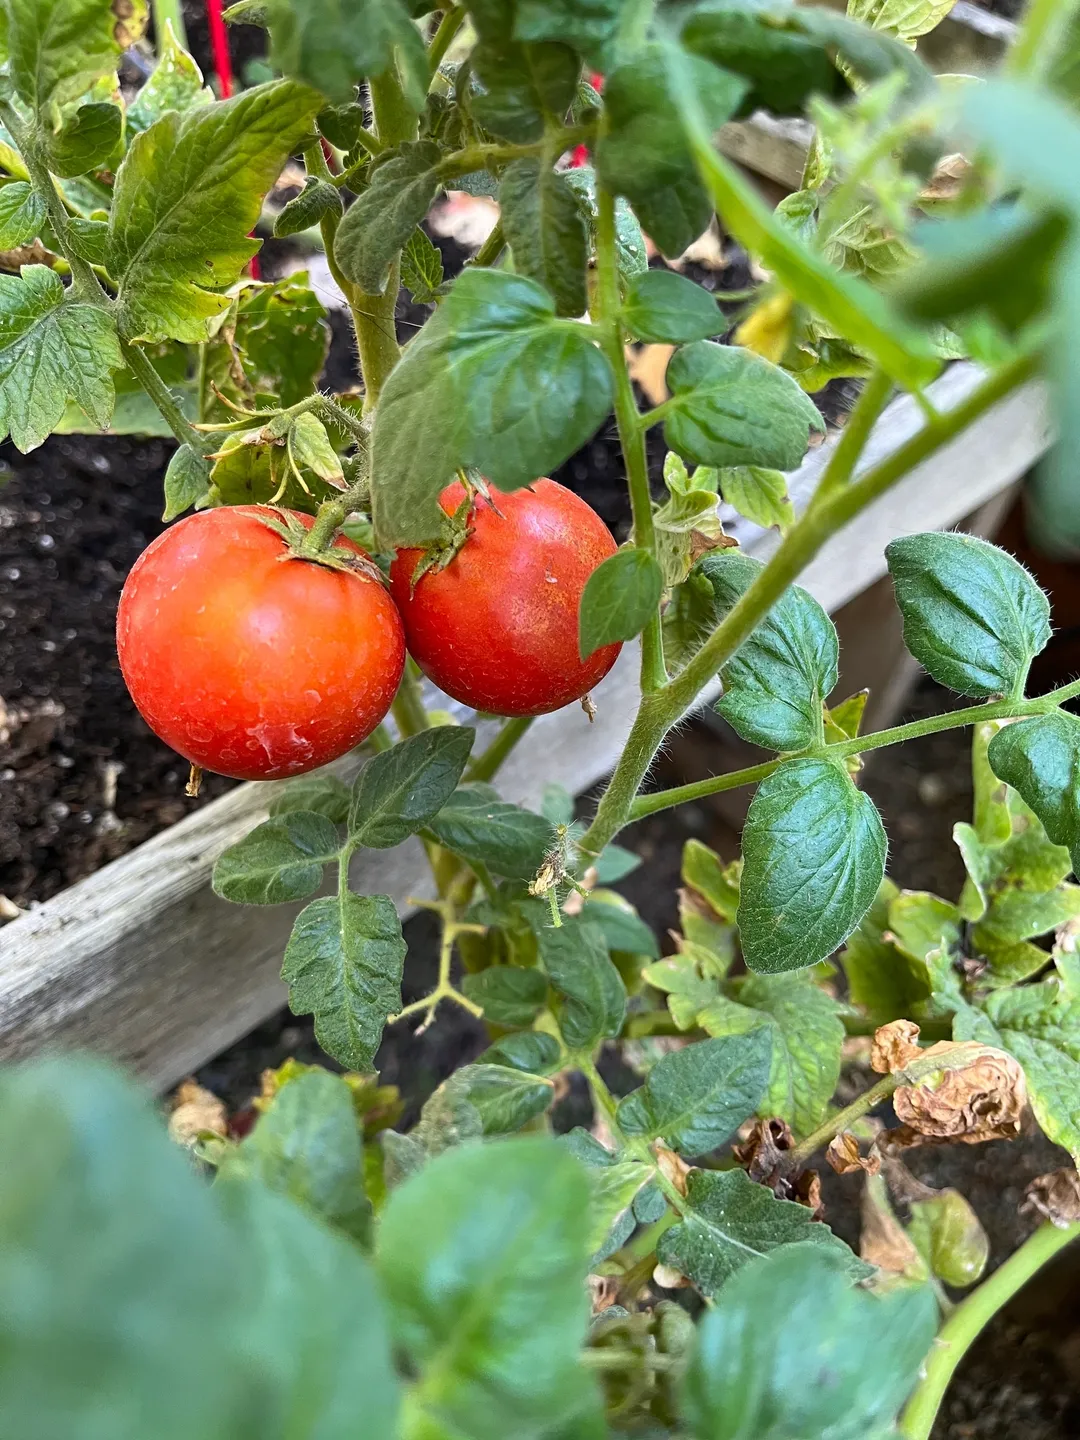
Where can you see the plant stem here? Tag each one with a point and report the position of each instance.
(853, 437)
(143, 370)
(846, 1117)
(331, 515)
(168, 12)
(822, 519)
(444, 990)
(631, 434)
(408, 707)
(841, 749)
(970, 1317)
(448, 27)
(632, 1143)
(487, 763)
(492, 247)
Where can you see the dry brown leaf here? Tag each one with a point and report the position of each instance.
(196, 1112)
(763, 1152)
(672, 1167)
(603, 1291)
(973, 1093)
(844, 1156)
(701, 544)
(1057, 1196)
(948, 178)
(648, 367)
(894, 1045)
(883, 1240)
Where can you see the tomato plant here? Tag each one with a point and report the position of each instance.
(472, 1275)
(249, 666)
(496, 626)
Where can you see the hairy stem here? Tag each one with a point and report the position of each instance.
(822, 519)
(486, 765)
(492, 247)
(408, 707)
(856, 432)
(628, 420)
(845, 1118)
(332, 514)
(969, 1319)
(448, 27)
(841, 749)
(141, 367)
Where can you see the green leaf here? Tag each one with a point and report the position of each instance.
(813, 858)
(557, 805)
(622, 928)
(718, 884)
(1040, 758)
(322, 794)
(689, 618)
(482, 1258)
(615, 1185)
(730, 1221)
(504, 1097)
(187, 194)
(1039, 1024)
(310, 449)
(782, 68)
(902, 18)
(882, 980)
(316, 199)
(52, 346)
(380, 220)
(761, 495)
(187, 481)
(1033, 136)
(308, 1146)
(332, 44)
(614, 863)
(341, 124)
(494, 381)
(175, 84)
(728, 406)
(475, 824)
(113, 1246)
(343, 965)
(86, 139)
(620, 597)
(973, 616)
(542, 221)
(592, 996)
(665, 307)
(421, 267)
(643, 153)
(532, 1050)
(523, 85)
(280, 337)
(947, 1234)
(314, 1320)
(806, 1032)
(399, 791)
(22, 211)
(507, 994)
(850, 307)
(777, 681)
(56, 49)
(697, 1097)
(631, 255)
(590, 26)
(827, 1359)
(281, 859)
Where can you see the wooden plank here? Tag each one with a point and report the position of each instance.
(142, 962)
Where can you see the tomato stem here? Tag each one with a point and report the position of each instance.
(486, 765)
(627, 419)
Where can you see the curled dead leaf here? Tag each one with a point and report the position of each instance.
(893, 1046)
(964, 1091)
(1056, 1196)
(603, 1292)
(672, 1167)
(196, 1112)
(845, 1158)
(764, 1149)
(883, 1241)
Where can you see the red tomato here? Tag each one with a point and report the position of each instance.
(250, 664)
(498, 628)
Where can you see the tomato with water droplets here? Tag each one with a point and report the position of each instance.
(497, 628)
(251, 662)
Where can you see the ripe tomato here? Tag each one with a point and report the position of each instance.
(250, 664)
(498, 628)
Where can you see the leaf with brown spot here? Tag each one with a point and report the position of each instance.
(894, 1045)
